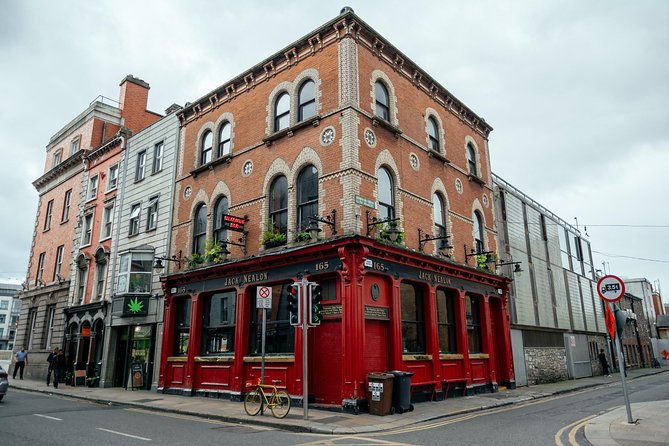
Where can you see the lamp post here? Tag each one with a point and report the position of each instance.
(158, 265)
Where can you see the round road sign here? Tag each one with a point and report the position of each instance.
(611, 288)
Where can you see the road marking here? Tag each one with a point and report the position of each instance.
(349, 441)
(47, 417)
(124, 434)
(197, 418)
(576, 425)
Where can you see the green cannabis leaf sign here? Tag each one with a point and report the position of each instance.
(135, 306)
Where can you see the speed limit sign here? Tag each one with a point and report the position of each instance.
(611, 288)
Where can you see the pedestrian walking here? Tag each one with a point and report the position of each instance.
(21, 359)
(58, 368)
(52, 362)
(604, 362)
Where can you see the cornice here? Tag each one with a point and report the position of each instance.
(69, 164)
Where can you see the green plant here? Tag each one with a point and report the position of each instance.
(273, 235)
(213, 252)
(482, 260)
(195, 259)
(302, 236)
(385, 231)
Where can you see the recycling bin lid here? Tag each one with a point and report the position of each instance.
(400, 373)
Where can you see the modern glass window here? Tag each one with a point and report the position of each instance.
(478, 232)
(107, 219)
(224, 139)
(87, 232)
(92, 188)
(152, 213)
(218, 326)
(307, 196)
(473, 316)
(4, 304)
(49, 214)
(59, 262)
(100, 273)
(82, 273)
(158, 153)
(199, 229)
(446, 321)
(66, 205)
(181, 327)
(439, 214)
(307, 101)
(3, 317)
(278, 205)
(280, 334)
(206, 147)
(112, 177)
(133, 224)
(433, 133)
(40, 268)
(413, 319)
(282, 112)
(220, 209)
(471, 160)
(57, 157)
(382, 101)
(74, 145)
(386, 195)
(135, 273)
(140, 170)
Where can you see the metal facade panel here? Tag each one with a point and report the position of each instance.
(543, 288)
(537, 244)
(575, 299)
(515, 223)
(553, 243)
(523, 292)
(599, 309)
(561, 306)
(518, 350)
(578, 356)
(588, 304)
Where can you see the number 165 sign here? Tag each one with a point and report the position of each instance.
(611, 288)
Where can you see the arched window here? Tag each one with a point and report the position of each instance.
(471, 160)
(307, 101)
(199, 229)
(278, 205)
(478, 232)
(439, 214)
(382, 101)
(282, 112)
(224, 139)
(433, 133)
(100, 273)
(220, 209)
(307, 196)
(207, 142)
(386, 195)
(82, 274)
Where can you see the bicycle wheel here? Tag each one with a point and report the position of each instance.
(253, 402)
(280, 404)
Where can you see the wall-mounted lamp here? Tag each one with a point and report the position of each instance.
(516, 267)
(158, 265)
(330, 220)
(443, 247)
(489, 259)
(241, 242)
(373, 222)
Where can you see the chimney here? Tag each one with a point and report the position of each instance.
(134, 97)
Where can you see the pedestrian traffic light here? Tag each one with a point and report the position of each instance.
(315, 307)
(293, 299)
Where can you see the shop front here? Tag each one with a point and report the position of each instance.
(84, 340)
(384, 308)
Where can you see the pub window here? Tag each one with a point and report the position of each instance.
(446, 321)
(307, 196)
(473, 316)
(439, 214)
(199, 229)
(413, 319)
(280, 338)
(218, 328)
(278, 205)
(478, 232)
(220, 209)
(181, 327)
(386, 195)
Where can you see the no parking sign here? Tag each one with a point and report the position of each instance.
(264, 297)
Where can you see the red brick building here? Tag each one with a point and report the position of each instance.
(343, 127)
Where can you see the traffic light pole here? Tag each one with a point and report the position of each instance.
(304, 308)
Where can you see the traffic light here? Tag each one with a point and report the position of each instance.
(293, 298)
(315, 307)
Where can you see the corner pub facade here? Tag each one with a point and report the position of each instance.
(343, 127)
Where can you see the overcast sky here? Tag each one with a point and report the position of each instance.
(577, 92)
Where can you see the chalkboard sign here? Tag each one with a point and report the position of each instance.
(137, 375)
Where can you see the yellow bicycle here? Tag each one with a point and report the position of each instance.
(278, 401)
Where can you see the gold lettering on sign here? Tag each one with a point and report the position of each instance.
(433, 278)
(331, 310)
(382, 313)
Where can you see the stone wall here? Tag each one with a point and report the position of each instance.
(545, 364)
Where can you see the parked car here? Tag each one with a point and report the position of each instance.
(4, 383)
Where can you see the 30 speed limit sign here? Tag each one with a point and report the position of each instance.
(611, 288)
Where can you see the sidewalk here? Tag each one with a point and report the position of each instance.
(600, 431)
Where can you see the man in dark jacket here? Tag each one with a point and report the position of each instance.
(604, 362)
(51, 361)
(58, 368)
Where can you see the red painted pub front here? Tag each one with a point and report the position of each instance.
(384, 308)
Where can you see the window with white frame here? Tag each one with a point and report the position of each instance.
(40, 268)
(152, 213)
(433, 133)
(382, 99)
(49, 213)
(4, 304)
(74, 145)
(57, 157)
(107, 219)
(59, 263)
(386, 193)
(471, 160)
(133, 226)
(66, 205)
(224, 139)
(206, 147)
(32, 325)
(478, 232)
(82, 274)
(87, 230)
(92, 188)
(282, 112)
(135, 269)
(306, 101)
(199, 229)
(50, 319)
(112, 177)
(140, 169)
(158, 153)
(100, 273)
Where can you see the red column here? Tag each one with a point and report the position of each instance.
(504, 327)
(486, 332)
(168, 339)
(194, 340)
(463, 339)
(432, 333)
(241, 341)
